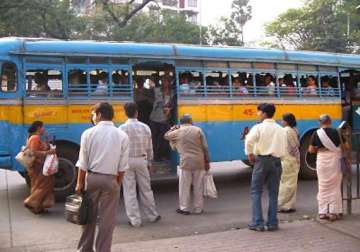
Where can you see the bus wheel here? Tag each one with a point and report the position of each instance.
(307, 160)
(65, 178)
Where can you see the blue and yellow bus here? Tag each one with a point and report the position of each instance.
(220, 86)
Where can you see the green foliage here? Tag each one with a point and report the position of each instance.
(230, 31)
(55, 19)
(320, 25)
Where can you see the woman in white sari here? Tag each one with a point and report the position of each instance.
(326, 142)
(290, 167)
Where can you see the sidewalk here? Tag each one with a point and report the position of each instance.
(309, 235)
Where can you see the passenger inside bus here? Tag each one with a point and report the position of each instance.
(144, 98)
(239, 87)
(102, 86)
(326, 88)
(311, 87)
(288, 83)
(269, 84)
(160, 117)
(41, 83)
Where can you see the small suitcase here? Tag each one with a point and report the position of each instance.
(78, 209)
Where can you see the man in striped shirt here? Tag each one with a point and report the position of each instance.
(140, 157)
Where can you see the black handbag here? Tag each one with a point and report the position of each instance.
(78, 209)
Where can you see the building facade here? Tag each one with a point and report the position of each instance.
(191, 8)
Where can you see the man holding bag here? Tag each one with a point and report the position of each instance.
(103, 159)
(191, 144)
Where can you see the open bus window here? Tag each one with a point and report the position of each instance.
(44, 82)
(77, 82)
(121, 82)
(217, 83)
(99, 80)
(265, 84)
(288, 84)
(191, 83)
(329, 85)
(242, 83)
(8, 77)
(309, 84)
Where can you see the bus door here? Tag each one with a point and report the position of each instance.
(154, 88)
(350, 87)
(45, 94)
(10, 111)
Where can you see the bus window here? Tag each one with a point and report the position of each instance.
(329, 85)
(77, 82)
(121, 83)
(242, 83)
(99, 80)
(44, 82)
(265, 84)
(287, 84)
(8, 77)
(191, 83)
(217, 83)
(309, 84)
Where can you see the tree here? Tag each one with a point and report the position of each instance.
(38, 18)
(320, 25)
(230, 31)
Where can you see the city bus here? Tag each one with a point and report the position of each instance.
(220, 87)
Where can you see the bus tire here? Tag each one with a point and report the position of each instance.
(307, 160)
(65, 178)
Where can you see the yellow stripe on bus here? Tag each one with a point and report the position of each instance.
(237, 112)
(53, 114)
(62, 114)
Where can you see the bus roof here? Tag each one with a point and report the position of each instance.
(32, 46)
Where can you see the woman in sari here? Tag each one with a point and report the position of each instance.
(290, 167)
(326, 143)
(41, 195)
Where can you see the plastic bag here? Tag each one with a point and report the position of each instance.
(25, 157)
(51, 165)
(209, 186)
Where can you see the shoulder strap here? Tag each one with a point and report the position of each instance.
(326, 141)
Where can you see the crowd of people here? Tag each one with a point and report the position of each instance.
(110, 157)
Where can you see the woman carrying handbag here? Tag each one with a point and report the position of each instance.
(41, 196)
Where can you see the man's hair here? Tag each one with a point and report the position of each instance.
(186, 119)
(130, 109)
(268, 109)
(105, 109)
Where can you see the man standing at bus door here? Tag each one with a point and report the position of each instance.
(141, 155)
(191, 144)
(265, 145)
(103, 159)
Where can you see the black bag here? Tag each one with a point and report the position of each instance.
(78, 209)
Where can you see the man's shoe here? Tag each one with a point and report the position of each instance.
(256, 228)
(133, 225)
(179, 211)
(272, 228)
(157, 219)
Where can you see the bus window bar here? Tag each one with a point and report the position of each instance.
(250, 91)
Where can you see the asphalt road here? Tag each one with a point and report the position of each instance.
(20, 229)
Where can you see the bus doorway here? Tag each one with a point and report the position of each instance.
(350, 86)
(155, 94)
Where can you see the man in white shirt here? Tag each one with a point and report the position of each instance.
(103, 159)
(141, 155)
(265, 145)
